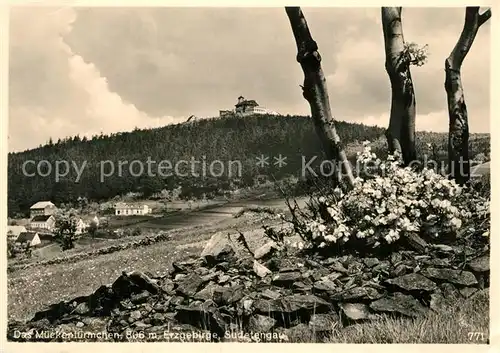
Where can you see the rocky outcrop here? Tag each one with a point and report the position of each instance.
(228, 294)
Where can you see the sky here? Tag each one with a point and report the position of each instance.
(90, 70)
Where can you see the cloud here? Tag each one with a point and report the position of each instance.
(360, 83)
(87, 70)
(54, 92)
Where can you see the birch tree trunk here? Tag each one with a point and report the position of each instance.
(458, 138)
(401, 132)
(316, 93)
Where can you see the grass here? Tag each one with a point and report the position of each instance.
(33, 289)
(467, 321)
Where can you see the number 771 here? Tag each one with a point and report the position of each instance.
(476, 336)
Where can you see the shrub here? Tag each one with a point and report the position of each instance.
(65, 229)
(387, 204)
(14, 249)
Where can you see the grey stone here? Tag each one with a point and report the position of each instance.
(324, 322)
(480, 264)
(399, 303)
(260, 270)
(355, 311)
(135, 315)
(82, 309)
(270, 294)
(399, 270)
(453, 276)
(325, 285)
(141, 325)
(207, 292)
(337, 266)
(443, 248)
(293, 303)
(357, 293)
(436, 262)
(371, 261)
(412, 282)
(218, 249)
(286, 279)
(265, 250)
(190, 285)
(396, 258)
(140, 297)
(449, 291)
(302, 287)
(467, 292)
(438, 303)
(228, 295)
(261, 323)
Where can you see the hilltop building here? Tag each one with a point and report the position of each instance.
(246, 107)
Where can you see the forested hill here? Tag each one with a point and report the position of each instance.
(225, 139)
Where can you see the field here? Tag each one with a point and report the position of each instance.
(32, 289)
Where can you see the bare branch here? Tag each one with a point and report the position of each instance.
(485, 16)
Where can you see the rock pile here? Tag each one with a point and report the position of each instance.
(233, 293)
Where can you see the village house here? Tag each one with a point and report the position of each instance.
(81, 226)
(37, 239)
(42, 208)
(31, 237)
(47, 222)
(14, 231)
(123, 209)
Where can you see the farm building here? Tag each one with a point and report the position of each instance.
(31, 237)
(38, 239)
(123, 209)
(43, 222)
(42, 208)
(14, 231)
(81, 226)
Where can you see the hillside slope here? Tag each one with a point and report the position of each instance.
(226, 139)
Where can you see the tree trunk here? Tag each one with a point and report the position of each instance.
(458, 138)
(316, 93)
(401, 132)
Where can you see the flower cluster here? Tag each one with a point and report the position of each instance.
(388, 203)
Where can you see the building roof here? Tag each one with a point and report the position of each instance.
(41, 218)
(16, 230)
(46, 236)
(251, 103)
(26, 236)
(41, 204)
(124, 205)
